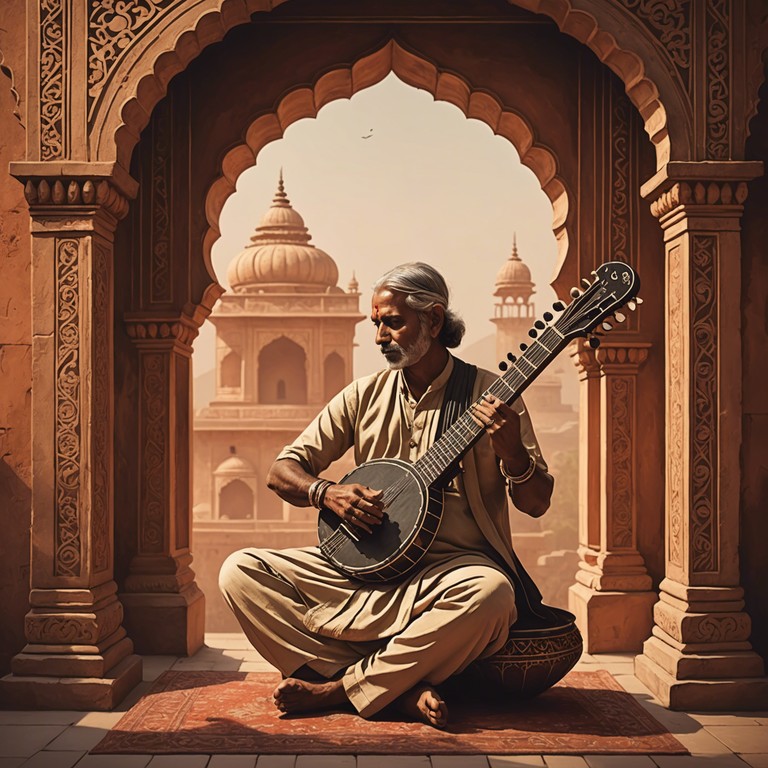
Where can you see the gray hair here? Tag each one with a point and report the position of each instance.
(424, 287)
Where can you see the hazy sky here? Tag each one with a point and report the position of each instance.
(428, 185)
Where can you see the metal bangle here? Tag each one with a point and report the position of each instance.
(518, 479)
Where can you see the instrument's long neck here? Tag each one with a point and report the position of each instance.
(440, 462)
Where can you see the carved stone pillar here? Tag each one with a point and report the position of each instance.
(612, 598)
(699, 656)
(78, 655)
(165, 610)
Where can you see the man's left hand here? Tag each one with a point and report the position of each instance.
(502, 423)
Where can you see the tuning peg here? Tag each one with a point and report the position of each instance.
(548, 316)
(607, 327)
(620, 317)
(594, 342)
(558, 306)
(532, 333)
(638, 300)
(511, 357)
(540, 324)
(585, 282)
(632, 304)
(503, 366)
(575, 292)
(523, 347)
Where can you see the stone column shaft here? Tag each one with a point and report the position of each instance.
(165, 610)
(612, 598)
(699, 656)
(78, 655)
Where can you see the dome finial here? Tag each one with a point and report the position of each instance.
(281, 199)
(514, 247)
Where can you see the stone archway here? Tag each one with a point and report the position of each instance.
(610, 378)
(75, 206)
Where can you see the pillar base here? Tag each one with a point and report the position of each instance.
(77, 693)
(612, 621)
(721, 694)
(171, 623)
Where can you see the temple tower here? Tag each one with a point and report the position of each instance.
(513, 311)
(284, 342)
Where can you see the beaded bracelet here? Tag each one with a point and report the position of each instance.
(518, 479)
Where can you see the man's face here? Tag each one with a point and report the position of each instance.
(402, 333)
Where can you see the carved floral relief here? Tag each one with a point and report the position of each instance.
(68, 459)
(112, 26)
(704, 306)
(51, 80)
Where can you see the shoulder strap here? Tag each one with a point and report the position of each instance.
(458, 394)
(457, 398)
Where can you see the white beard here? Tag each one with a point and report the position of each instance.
(402, 357)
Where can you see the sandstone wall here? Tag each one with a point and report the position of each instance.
(15, 352)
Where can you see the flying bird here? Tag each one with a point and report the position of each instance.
(369, 134)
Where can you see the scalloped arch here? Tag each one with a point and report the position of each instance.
(417, 72)
(187, 27)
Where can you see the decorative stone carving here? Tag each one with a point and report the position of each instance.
(704, 438)
(67, 559)
(160, 283)
(620, 171)
(102, 417)
(669, 21)
(76, 192)
(699, 193)
(112, 27)
(612, 598)
(676, 398)
(154, 449)
(51, 73)
(718, 31)
(181, 329)
(701, 633)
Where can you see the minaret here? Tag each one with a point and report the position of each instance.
(513, 311)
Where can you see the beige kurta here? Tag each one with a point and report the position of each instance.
(318, 617)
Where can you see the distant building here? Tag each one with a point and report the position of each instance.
(547, 546)
(284, 342)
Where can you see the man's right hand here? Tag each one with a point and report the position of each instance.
(355, 504)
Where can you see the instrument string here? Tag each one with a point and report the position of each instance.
(464, 430)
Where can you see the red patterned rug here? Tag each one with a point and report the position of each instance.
(232, 712)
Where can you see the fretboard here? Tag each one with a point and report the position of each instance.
(440, 462)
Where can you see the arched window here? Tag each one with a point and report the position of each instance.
(236, 501)
(282, 361)
(230, 376)
(334, 375)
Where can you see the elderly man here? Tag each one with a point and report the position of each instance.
(338, 640)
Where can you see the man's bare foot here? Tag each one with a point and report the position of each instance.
(424, 703)
(294, 695)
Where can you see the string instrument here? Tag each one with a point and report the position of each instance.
(413, 495)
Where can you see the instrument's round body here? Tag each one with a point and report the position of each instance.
(412, 517)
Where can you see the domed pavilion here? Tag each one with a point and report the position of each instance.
(284, 341)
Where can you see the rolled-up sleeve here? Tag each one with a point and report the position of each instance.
(328, 436)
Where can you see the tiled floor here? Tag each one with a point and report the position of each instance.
(62, 739)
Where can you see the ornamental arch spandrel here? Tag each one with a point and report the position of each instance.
(129, 164)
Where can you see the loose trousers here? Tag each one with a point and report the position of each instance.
(394, 636)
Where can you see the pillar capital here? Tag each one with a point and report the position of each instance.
(713, 189)
(621, 357)
(170, 331)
